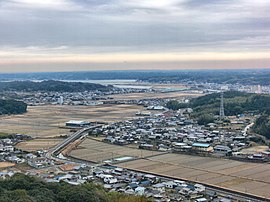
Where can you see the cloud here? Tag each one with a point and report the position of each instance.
(85, 27)
(39, 4)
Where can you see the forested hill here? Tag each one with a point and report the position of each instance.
(218, 76)
(51, 85)
(12, 107)
(30, 189)
(247, 77)
(234, 103)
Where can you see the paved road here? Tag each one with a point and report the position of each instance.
(247, 128)
(70, 139)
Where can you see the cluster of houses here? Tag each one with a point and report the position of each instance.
(216, 87)
(157, 188)
(87, 98)
(121, 180)
(9, 153)
(171, 131)
(7, 148)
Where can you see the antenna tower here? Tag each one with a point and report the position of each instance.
(221, 110)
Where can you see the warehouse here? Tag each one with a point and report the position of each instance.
(73, 123)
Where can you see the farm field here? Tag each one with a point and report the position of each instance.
(4, 165)
(38, 144)
(45, 121)
(252, 178)
(254, 149)
(96, 151)
(154, 95)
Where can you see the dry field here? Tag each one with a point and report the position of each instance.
(253, 178)
(38, 144)
(96, 151)
(138, 96)
(44, 121)
(254, 149)
(4, 165)
(164, 86)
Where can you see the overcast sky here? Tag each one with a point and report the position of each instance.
(66, 35)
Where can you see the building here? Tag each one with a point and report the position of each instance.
(73, 123)
(221, 149)
(256, 89)
(40, 162)
(202, 147)
(60, 100)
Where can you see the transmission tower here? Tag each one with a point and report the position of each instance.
(221, 110)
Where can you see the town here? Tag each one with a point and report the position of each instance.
(155, 128)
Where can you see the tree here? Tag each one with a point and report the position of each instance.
(175, 105)
(24, 188)
(205, 119)
(262, 126)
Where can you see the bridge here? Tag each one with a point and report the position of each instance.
(75, 136)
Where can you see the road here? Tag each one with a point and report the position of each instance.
(70, 139)
(247, 128)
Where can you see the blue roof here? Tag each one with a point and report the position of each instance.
(146, 182)
(190, 186)
(133, 185)
(200, 145)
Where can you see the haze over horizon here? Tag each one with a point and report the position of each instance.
(82, 35)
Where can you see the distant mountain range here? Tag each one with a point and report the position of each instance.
(259, 76)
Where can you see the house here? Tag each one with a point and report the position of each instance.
(163, 147)
(4, 175)
(14, 159)
(40, 162)
(140, 191)
(146, 146)
(160, 187)
(109, 139)
(201, 200)
(145, 183)
(202, 147)
(110, 179)
(6, 148)
(224, 150)
(170, 184)
(30, 156)
(199, 188)
(155, 108)
(266, 154)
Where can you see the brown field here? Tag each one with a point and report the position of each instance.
(164, 86)
(37, 144)
(138, 96)
(6, 165)
(44, 121)
(253, 178)
(254, 149)
(96, 151)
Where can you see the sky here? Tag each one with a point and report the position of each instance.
(74, 35)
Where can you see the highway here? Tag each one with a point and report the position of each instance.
(70, 139)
